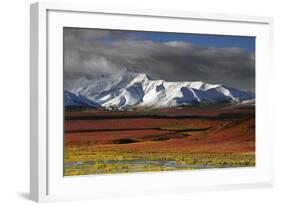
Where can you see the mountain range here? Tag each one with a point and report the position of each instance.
(137, 90)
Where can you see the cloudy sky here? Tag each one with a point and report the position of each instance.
(229, 60)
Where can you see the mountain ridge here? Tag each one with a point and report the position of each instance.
(128, 89)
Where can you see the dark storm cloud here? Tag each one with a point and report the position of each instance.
(88, 53)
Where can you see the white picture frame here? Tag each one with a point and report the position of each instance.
(46, 179)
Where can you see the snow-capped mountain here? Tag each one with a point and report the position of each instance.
(129, 89)
(73, 100)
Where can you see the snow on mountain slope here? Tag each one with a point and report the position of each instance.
(73, 100)
(129, 89)
(102, 84)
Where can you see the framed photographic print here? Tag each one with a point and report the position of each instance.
(128, 101)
